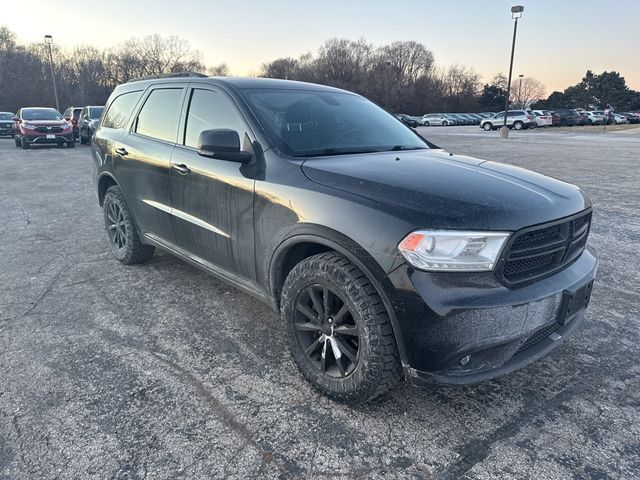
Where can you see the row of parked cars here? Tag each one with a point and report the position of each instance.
(521, 119)
(44, 125)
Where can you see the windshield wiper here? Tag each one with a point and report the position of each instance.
(404, 147)
(336, 151)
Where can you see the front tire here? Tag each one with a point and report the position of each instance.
(338, 330)
(518, 125)
(24, 144)
(71, 144)
(122, 233)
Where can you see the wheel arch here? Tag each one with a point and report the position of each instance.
(311, 241)
(105, 181)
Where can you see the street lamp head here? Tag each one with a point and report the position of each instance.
(516, 11)
(48, 39)
(521, 75)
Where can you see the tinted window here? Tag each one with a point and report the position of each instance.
(120, 110)
(160, 114)
(95, 112)
(6, 116)
(209, 110)
(312, 122)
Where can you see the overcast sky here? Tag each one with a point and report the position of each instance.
(557, 40)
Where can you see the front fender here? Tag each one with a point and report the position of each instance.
(355, 253)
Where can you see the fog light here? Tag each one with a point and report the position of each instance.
(465, 360)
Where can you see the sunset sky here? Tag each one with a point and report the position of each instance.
(557, 40)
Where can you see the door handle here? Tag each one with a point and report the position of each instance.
(122, 151)
(181, 168)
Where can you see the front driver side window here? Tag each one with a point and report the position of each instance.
(210, 110)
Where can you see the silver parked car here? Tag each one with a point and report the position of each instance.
(431, 119)
(516, 119)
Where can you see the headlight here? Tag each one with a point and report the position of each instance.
(450, 250)
(28, 126)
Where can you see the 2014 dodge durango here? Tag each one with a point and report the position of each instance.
(386, 256)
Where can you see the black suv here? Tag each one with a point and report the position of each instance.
(567, 117)
(384, 254)
(6, 123)
(88, 122)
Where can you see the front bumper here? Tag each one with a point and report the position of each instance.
(41, 139)
(442, 318)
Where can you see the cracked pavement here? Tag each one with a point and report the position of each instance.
(162, 371)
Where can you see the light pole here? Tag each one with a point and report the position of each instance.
(516, 13)
(520, 101)
(48, 39)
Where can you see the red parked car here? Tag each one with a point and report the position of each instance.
(72, 114)
(41, 126)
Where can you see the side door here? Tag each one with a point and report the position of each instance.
(212, 198)
(142, 159)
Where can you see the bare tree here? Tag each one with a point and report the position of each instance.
(220, 70)
(526, 91)
(411, 59)
(461, 86)
(154, 54)
(343, 63)
(284, 68)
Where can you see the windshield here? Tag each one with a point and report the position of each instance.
(6, 116)
(315, 123)
(40, 114)
(95, 112)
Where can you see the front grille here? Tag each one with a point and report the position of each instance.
(538, 336)
(48, 129)
(540, 251)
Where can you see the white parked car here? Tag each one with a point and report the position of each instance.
(595, 118)
(431, 119)
(543, 118)
(619, 119)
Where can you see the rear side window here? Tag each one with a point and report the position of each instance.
(160, 115)
(209, 110)
(120, 109)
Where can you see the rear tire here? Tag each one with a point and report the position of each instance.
(487, 127)
(338, 330)
(122, 233)
(83, 141)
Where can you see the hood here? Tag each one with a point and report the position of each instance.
(47, 123)
(432, 188)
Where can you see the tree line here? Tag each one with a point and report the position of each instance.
(401, 76)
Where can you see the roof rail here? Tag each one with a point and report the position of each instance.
(168, 75)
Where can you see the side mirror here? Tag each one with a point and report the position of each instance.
(222, 144)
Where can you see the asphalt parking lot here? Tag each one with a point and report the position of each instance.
(161, 371)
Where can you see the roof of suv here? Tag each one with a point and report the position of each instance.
(239, 83)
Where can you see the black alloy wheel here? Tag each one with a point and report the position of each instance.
(326, 331)
(338, 330)
(122, 233)
(116, 227)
